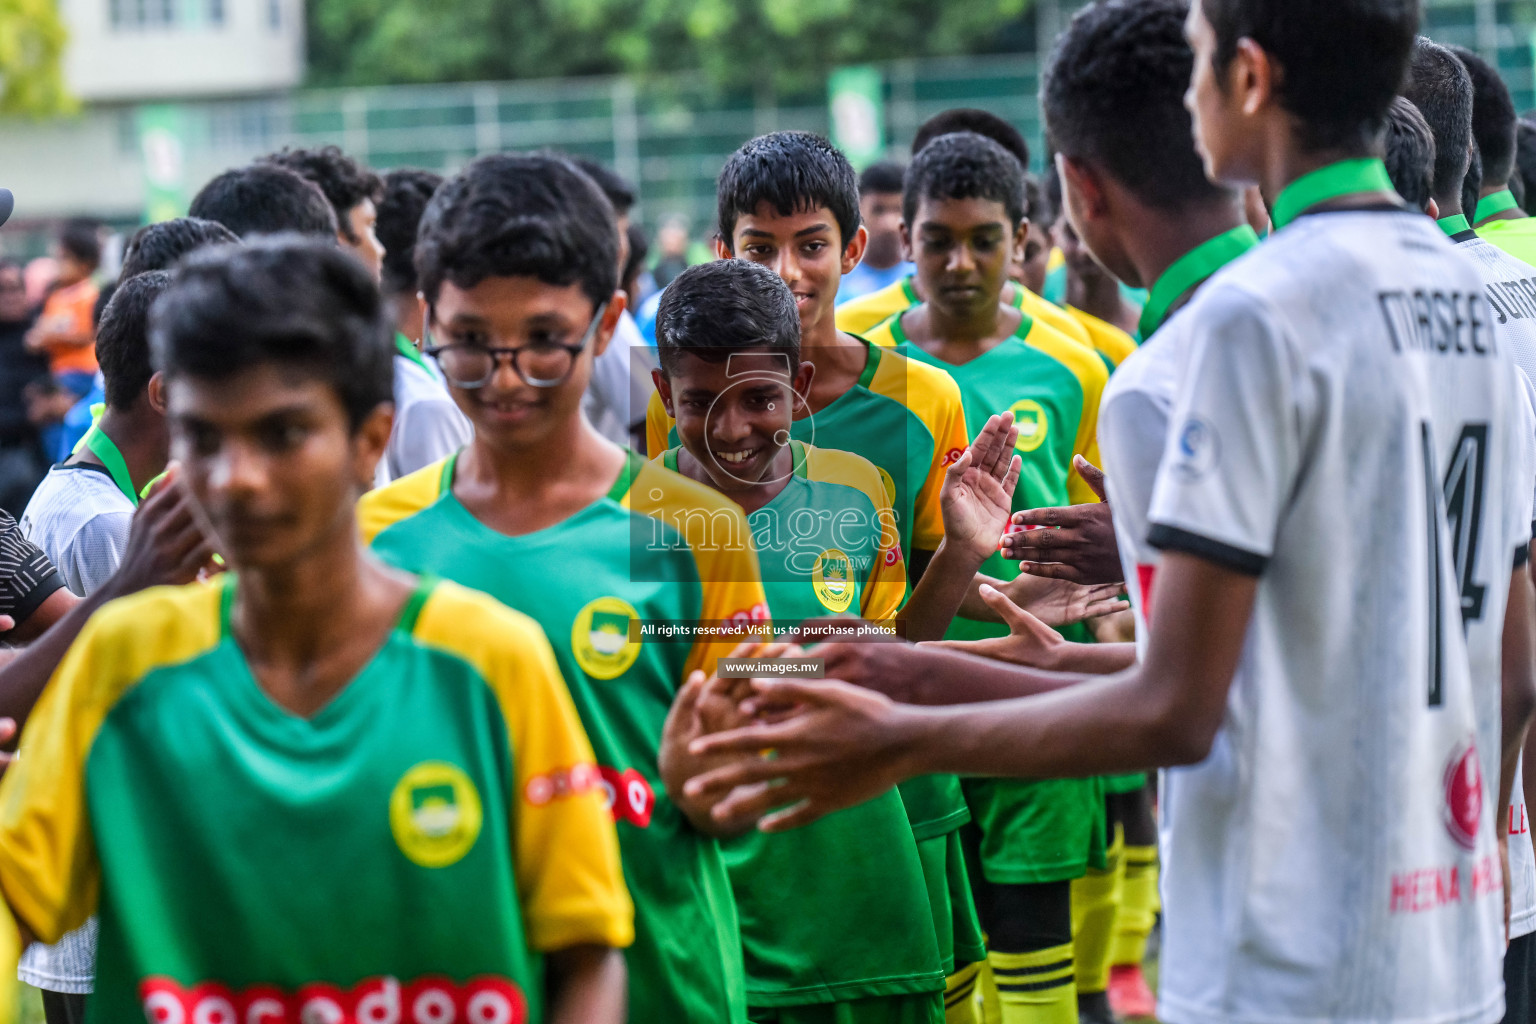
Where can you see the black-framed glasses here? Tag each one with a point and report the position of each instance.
(544, 365)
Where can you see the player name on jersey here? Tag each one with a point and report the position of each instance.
(1434, 321)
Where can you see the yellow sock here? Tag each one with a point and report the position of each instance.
(962, 996)
(1095, 900)
(1036, 987)
(1138, 907)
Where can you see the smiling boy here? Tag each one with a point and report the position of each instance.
(518, 263)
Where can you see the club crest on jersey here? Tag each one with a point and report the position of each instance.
(1029, 416)
(435, 814)
(600, 638)
(1464, 795)
(429, 1000)
(1199, 449)
(832, 579)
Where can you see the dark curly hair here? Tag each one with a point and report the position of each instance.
(964, 165)
(793, 172)
(519, 216)
(1342, 61)
(1113, 94)
(288, 301)
(404, 200)
(345, 182)
(159, 246)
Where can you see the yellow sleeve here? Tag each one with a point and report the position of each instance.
(658, 426)
(1108, 340)
(381, 508)
(565, 849)
(1040, 308)
(1092, 376)
(934, 397)
(716, 533)
(49, 870)
(861, 315)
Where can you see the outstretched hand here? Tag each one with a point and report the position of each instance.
(978, 489)
(1057, 602)
(1029, 642)
(1079, 545)
(843, 746)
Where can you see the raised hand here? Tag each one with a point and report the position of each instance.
(1080, 545)
(1029, 642)
(167, 543)
(1057, 602)
(978, 489)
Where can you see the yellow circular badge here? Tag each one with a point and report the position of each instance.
(890, 485)
(600, 638)
(832, 579)
(1030, 417)
(435, 814)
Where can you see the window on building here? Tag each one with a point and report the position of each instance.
(215, 12)
(133, 14)
(275, 14)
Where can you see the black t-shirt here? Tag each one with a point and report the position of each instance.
(27, 577)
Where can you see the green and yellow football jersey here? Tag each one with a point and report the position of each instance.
(658, 550)
(1107, 340)
(900, 415)
(857, 922)
(865, 313)
(405, 854)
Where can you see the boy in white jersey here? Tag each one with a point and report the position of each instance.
(1332, 848)
(1440, 87)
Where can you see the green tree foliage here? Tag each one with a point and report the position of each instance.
(31, 45)
(781, 44)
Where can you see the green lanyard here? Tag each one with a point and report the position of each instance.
(1455, 224)
(404, 347)
(103, 447)
(1494, 203)
(1345, 178)
(1190, 269)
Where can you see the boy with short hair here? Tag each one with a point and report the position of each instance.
(880, 209)
(434, 715)
(428, 426)
(1293, 847)
(265, 199)
(852, 944)
(863, 315)
(542, 512)
(1409, 154)
(963, 221)
(352, 190)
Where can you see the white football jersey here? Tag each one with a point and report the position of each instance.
(1510, 286)
(1132, 433)
(1348, 431)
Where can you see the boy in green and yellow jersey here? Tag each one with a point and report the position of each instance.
(964, 224)
(377, 801)
(790, 201)
(603, 550)
(853, 940)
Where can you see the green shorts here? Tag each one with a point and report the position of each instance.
(955, 921)
(1125, 783)
(1029, 832)
(927, 1008)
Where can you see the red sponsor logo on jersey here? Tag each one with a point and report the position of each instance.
(630, 797)
(892, 555)
(1464, 795)
(1519, 823)
(1424, 889)
(429, 1000)
(1145, 574)
(562, 783)
(952, 456)
(747, 616)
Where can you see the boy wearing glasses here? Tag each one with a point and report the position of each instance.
(517, 258)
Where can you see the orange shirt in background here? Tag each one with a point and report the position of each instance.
(70, 310)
